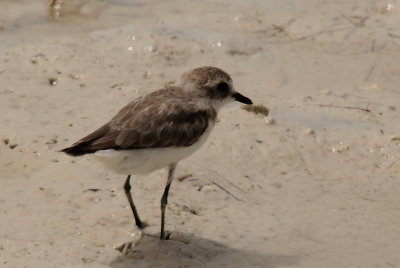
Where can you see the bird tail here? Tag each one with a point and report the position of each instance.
(74, 150)
(84, 145)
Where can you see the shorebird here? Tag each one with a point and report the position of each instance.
(160, 129)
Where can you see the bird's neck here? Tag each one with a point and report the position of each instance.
(218, 104)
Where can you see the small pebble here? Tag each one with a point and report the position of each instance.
(308, 131)
(35, 58)
(52, 81)
(147, 74)
(75, 76)
(340, 148)
(151, 48)
(270, 121)
(12, 146)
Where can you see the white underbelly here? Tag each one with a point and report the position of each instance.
(140, 161)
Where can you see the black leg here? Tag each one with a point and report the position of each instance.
(127, 188)
(164, 199)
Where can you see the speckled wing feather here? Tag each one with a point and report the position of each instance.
(165, 118)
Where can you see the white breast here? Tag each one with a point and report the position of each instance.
(141, 161)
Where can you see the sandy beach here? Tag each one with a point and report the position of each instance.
(313, 184)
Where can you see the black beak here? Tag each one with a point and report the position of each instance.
(240, 98)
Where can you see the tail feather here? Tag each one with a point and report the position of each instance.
(83, 146)
(76, 150)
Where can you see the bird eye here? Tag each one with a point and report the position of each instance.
(223, 87)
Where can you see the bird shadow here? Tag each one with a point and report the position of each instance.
(197, 252)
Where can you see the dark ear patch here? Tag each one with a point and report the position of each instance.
(223, 87)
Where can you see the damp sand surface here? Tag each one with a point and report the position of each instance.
(315, 183)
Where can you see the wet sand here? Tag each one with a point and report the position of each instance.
(314, 184)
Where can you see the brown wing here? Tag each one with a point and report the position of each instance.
(161, 119)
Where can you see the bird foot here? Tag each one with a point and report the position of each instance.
(165, 236)
(129, 247)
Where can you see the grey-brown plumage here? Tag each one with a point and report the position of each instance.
(164, 118)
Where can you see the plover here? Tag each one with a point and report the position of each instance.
(160, 129)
